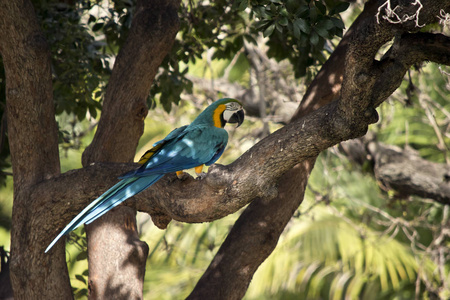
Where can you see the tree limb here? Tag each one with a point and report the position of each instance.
(225, 189)
(402, 170)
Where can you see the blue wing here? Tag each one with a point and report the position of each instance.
(195, 146)
(173, 136)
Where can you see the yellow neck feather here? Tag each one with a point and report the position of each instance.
(217, 113)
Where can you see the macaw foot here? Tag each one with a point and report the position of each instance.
(182, 175)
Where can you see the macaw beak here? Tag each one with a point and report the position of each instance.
(237, 117)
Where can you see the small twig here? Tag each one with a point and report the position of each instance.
(444, 18)
(431, 118)
(226, 73)
(393, 17)
(443, 72)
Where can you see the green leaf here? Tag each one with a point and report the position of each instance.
(92, 19)
(259, 25)
(93, 111)
(80, 278)
(273, 8)
(243, 5)
(340, 8)
(279, 27)
(314, 38)
(284, 12)
(292, 5)
(82, 256)
(81, 113)
(321, 8)
(283, 21)
(302, 25)
(313, 14)
(326, 24)
(303, 11)
(338, 23)
(268, 32)
(321, 31)
(249, 38)
(81, 293)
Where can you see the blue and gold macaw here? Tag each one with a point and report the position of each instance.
(191, 146)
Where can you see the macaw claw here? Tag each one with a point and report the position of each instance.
(182, 175)
(200, 176)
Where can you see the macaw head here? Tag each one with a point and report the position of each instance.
(233, 113)
(227, 110)
(221, 112)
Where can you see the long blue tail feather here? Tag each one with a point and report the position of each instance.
(121, 191)
(140, 184)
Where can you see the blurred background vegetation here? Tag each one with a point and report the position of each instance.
(349, 239)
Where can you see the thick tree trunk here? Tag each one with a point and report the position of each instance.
(32, 133)
(113, 240)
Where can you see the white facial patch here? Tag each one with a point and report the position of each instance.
(232, 107)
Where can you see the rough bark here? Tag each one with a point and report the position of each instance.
(116, 261)
(402, 171)
(32, 133)
(113, 240)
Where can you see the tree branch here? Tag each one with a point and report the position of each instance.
(407, 50)
(225, 189)
(402, 170)
(361, 69)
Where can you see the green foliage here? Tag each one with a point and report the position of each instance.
(170, 84)
(5, 162)
(179, 256)
(418, 116)
(79, 67)
(297, 30)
